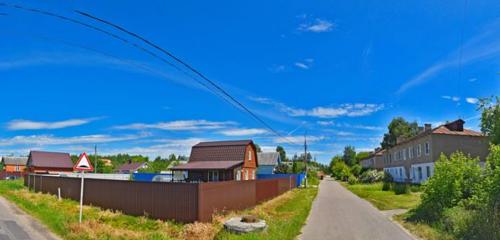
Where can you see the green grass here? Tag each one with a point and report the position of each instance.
(422, 230)
(384, 200)
(284, 215)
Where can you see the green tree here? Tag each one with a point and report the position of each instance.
(282, 168)
(341, 171)
(349, 156)
(282, 153)
(257, 148)
(362, 155)
(490, 118)
(335, 159)
(398, 127)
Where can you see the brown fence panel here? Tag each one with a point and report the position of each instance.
(166, 201)
(220, 196)
(266, 189)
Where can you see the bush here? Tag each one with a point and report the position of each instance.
(356, 170)
(386, 186)
(341, 171)
(371, 176)
(457, 180)
(401, 188)
(352, 180)
(457, 220)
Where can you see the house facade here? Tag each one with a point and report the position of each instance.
(14, 164)
(131, 167)
(268, 161)
(375, 160)
(412, 160)
(49, 162)
(221, 161)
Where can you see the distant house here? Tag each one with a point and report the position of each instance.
(268, 161)
(375, 160)
(14, 164)
(221, 161)
(49, 162)
(131, 167)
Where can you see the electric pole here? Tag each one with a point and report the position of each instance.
(305, 159)
(95, 158)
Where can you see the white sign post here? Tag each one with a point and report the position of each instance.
(82, 165)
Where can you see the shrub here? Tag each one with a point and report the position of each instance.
(371, 176)
(352, 180)
(457, 180)
(386, 186)
(457, 220)
(341, 171)
(401, 188)
(356, 170)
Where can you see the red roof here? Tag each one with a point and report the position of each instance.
(203, 165)
(219, 151)
(49, 160)
(466, 132)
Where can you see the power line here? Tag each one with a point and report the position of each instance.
(225, 94)
(184, 64)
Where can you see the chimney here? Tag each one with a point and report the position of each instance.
(427, 127)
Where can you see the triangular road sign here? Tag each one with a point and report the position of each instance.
(83, 164)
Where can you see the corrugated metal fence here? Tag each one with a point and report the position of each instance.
(182, 202)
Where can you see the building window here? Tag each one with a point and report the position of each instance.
(17, 168)
(419, 150)
(427, 148)
(404, 153)
(253, 175)
(213, 176)
(410, 152)
(428, 171)
(400, 173)
(249, 155)
(238, 175)
(419, 170)
(246, 174)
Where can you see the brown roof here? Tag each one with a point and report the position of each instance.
(219, 151)
(131, 166)
(49, 160)
(203, 165)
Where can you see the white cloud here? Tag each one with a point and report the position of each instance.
(301, 65)
(298, 139)
(317, 26)
(347, 109)
(243, 132)
(481, 47)
(41, 140)
(472, 100)
(21, 124)
(347, 125)
(452, 98)
(472, 79)
(180, 125)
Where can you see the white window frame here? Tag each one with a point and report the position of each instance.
(427, 148)
(249, 155)
(404, 154)
(246, 174)
(238, 175)
(410, 152)
(17, 168)
(419, 150)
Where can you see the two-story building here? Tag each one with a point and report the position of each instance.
(221, 161)
(412, 160)
(375, 160)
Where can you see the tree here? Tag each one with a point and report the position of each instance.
(282, 168)
(490, 118)
(399, 127)
(349, 156)
(362, 155)
(257, 148)
(282, 153)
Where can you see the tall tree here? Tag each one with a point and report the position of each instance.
(282, 152)
(257, 148)
(349, 156)
(490, 118)
(399, 127)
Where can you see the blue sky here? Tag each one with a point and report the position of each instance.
(340, 70)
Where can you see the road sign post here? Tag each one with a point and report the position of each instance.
(82, 165)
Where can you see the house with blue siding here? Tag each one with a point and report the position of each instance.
(268, 161)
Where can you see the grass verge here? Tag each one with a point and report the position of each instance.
(285, 215)
(384, 200)
(422, 230)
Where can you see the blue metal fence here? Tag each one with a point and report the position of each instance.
(147, 177)
(300, 177)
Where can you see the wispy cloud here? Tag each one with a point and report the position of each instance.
(21, 124)
(243, 132)
(343, 110)
(481, 47)
(347, 125)
(471, 100)
(298, 139)
(317, 26)
(452, 98)
(301, 65)
(305, 64)
(180, 125)
(42, 140)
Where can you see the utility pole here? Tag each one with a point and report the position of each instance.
(95, 158)
(305, 159)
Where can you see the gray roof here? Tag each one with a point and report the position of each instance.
(268, 158)
(15, 160)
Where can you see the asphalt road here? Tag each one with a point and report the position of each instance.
(339, 214)
(17, 225)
